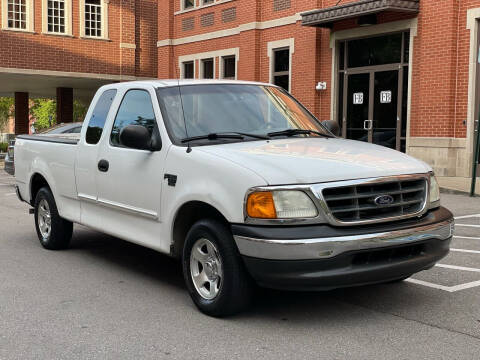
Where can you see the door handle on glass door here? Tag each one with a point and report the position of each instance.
(367, 125)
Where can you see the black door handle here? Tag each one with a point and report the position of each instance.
(103, 165)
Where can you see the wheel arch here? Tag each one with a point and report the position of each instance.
(37, 181)
(188, 214)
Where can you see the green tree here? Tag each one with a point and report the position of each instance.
(45, 113)
(79, 111)
(6, 110)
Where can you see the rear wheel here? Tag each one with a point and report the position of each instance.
(213, 270)
(53, 231)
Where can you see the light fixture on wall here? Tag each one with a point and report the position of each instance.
(367, 20)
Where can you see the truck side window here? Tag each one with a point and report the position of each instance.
(136, 109)
(99, 115)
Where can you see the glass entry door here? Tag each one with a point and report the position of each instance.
(385, 109)
(373, 89)
(358, 107)
(372, 107)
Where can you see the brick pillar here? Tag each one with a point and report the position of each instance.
(21, 113)
(64, 105)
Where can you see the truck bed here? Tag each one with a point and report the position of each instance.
(69, 139)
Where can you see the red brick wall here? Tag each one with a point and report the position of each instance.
(439, 69)
(130, 21)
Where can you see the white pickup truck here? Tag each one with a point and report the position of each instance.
(240, 182)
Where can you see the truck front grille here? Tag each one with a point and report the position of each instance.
(373, 201)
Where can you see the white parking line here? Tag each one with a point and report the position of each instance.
(10, 194)
(429, 284)
(449, 288)
(443, 287)
(466, 237)
(468, 225)
(455, 267)
(466, 251)
(467, 216)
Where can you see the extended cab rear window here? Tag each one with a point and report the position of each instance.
(99, 116)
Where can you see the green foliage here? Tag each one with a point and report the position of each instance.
(6, 110)
(45, 112)
(3, 147)
(79, 111)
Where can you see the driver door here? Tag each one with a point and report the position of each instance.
(129, 180)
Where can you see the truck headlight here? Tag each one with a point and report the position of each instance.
(281, 204)
(434, 192)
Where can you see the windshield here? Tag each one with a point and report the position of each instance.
(231, 108)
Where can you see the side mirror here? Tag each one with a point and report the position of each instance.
(138, 137)
(332, 126)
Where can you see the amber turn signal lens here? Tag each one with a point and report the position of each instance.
(260, 205)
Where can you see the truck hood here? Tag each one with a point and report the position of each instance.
(313, 160)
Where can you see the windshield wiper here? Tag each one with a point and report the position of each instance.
(293, 132)
(213, 136)
(226, 135)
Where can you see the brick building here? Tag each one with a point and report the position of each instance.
(68, 48)
(400, 73)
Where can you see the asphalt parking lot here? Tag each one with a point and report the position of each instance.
(108, 299)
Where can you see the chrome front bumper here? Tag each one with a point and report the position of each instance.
(325, 248)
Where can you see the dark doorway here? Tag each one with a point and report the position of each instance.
(373, 89)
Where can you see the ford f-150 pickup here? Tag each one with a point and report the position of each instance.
(240, 182)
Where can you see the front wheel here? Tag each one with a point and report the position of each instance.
(213, 270)
(53, 231)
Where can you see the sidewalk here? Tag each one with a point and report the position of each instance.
(457, 184)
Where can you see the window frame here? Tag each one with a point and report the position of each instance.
(202, 68)
(110, 144)
(29, 17)
(68, 19)
(274, 46)
(222, 67)
(182, 70)
(215, 55)
(183, 7)
(104, 21)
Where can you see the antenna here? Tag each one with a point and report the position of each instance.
(189, 149)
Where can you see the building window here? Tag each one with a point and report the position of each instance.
(93, 18)
(17, 15)
(281, 68)
(189, 70)
(188, 4)
(208, 69)
(229, 67)
(206, 2)
(56, 16)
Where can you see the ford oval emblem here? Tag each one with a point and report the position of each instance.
(383, 200)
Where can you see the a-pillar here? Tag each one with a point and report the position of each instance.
(64, 105)
(21, 113)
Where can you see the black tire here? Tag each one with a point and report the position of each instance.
(236, 289)
(61, 230)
